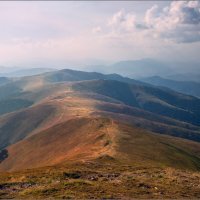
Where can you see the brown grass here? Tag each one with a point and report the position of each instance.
(100, 181)
(83, 139)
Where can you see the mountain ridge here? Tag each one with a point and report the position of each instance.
(67, 98)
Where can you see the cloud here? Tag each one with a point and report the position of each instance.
(97, 29)
(150, 15)
(121, 21)
(66, 31)
(179, 22)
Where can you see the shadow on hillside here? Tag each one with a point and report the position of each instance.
(3, 154)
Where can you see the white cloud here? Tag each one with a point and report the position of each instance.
(122, 22)
(72, 31)
(150, 15)
(179, 22)
(97, 29)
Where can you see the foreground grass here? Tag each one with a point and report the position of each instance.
(102, 181)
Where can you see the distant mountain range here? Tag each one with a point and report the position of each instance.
(186, 87)
(147, 67)
(141, 68)
(14, 72)
(135, 68)
(185, 77)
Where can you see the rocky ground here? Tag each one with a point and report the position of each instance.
(102, 181)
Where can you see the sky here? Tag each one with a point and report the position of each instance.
(57, 33)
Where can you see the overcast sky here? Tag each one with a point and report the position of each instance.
(58, 33)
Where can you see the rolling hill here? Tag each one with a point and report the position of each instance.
(68, 133)
(84, 139)
(93, 104)
(159, 101)
(106, 97)
(186, 87)
(67, 75)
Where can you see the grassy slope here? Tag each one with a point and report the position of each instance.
(16, 126)
(147, 155)
(164, 102)
(58, 103)
(144, 147)
(140, 169)
(88, 139)
(167, 103)
(75, 139)
(156, 100)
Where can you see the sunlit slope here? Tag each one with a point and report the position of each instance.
(16, 126)
(74, 140)
(91, 120)
(53, 103)
(53, 109)
(30, 90)
(85, 139)
(25, 86)
(59, 102)
(91, 129)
